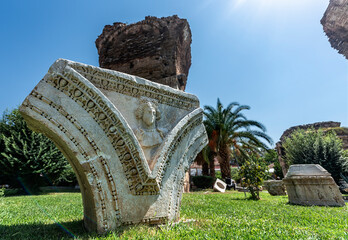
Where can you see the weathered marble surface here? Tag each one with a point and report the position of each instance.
(311, 184)
(275, 187)
(129, 140)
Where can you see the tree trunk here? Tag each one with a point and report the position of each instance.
(281, 155)
(225, 163)
(211, 165)
(205, 168)
(200, 161)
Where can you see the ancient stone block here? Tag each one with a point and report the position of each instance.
(157, 49)
(219, 186)
(335, 25)
(311, 184)
(129, 140)
(275, 187)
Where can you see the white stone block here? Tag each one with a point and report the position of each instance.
(219, 186)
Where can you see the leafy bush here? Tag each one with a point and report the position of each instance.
(253, 172)
(29, 159)
(6, 192)
(344, 162)
(235, 174)
(203, 181)
(317, 147)
(218, 175)
(270, 157)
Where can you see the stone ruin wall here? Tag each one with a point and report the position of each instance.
(316, 126)
(341, 132)
(157, 49)
(335, 24)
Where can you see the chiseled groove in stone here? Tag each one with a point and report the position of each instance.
(101, 193)
(178, 133)
(129, 88)
(133, 88)
(202, 142)
(118, 127)
(137, 186)
(199, 138)
(70, 118)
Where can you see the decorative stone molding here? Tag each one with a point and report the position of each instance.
(90, 114)
(311, 184)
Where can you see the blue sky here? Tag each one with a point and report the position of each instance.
(269, 54)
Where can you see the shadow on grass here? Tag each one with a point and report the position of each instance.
(16, 192)
(64, 230)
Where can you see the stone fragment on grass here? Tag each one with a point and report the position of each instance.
(311, 184)
(219, 186)
(275, 187)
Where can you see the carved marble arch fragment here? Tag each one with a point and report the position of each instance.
(129, 140)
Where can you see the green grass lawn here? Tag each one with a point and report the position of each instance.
(216, 215)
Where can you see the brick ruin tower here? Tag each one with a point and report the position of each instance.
(335, 24)
(157, 49)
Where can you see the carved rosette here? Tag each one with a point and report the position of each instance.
(88, 112)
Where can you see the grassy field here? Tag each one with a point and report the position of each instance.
(217, 216)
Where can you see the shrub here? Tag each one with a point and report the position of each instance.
(235, 174)
(218, 175)
(270, 157)
(253, 172)
(6, 192)
(203, 181)
(317, 147)
(29, 159)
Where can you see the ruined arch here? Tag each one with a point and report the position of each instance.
(88, 112)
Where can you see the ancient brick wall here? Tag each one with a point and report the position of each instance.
(157, 49)
(335, 24)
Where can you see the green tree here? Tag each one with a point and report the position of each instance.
(271, 156)
(317, 147)
(208, 156)
(29, 158)
(253, 172)
(230, 131)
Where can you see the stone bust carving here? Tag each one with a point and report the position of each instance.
(148, 134)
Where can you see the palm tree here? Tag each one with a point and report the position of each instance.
(229, 131)
(206, 159)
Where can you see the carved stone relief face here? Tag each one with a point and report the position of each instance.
(149, 115)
